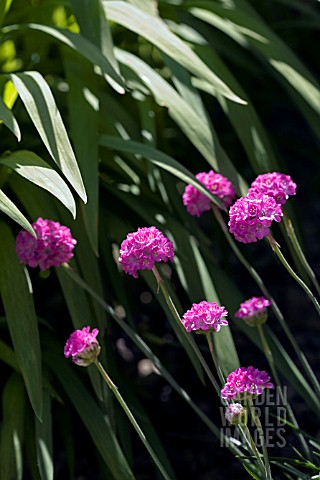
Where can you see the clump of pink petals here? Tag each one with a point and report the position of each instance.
(244, 382)
(143, 248)
(205, 316)
(252, 307)
(197, 203)
(83, 346)
(251, 217)
(52, 247)
(277, 185)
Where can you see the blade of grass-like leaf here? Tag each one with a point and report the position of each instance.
(83, 106)
(96, 422)
(21, 318)
(7, 356)
(223, 340)
(40, 104)
(245, 26)
(11, 441)
(33, 168)
(196, 128)
(9, 208)
(9, 120)
(158, 158)
(44, 440)
(79, 44)
(156, 31)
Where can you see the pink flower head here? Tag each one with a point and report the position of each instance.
(206, 316)
(251, 217)
(52, 247)
(217, 184)
(276, 185)
(141, 249)
(236, 414)
(254, 311)
(244, 382)
(83, 346)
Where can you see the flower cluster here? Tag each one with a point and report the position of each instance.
(217, 184)
(236, 414)
(206, 316)
(275, 185)
(83, 346)
(52, 247)
(141, 249)
(254, 310)
(251, 217)
(245, 381)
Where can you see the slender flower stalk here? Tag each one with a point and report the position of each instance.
(257, 422)
(270, 359)
(176, 316)
(83, 347)
(131, 418)
(276, 310)
(214, 358)
(276, 248)
(299, 252)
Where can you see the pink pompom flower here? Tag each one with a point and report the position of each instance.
(254, 311)
(83, 346)
(52, 247)
(251, 217)
(244, 382)
(205, 316)
(143, 248)
(277, 185)
(217, 184)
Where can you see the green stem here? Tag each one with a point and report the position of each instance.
(248, 437)
(275, 375)
(214, 358)
(135, 425)
(190, 340)
(297, 248)
(276, 310)
(257, 423)
(276, 248)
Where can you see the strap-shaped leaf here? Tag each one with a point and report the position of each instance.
(21, 318)
(197, 128)
(9, 120)
(33, 168)
(158, 158)
(9, 208)
(11, 442)
(156, 31)
(80, 45)
(41, 106)
(44, 440)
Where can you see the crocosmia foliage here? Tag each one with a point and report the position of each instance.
(152, 151)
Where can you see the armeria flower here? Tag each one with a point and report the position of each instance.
(83, 346)
(251, 217)
(244, 382)
(217, 184)
(236, 414)
(52, 247)
(206, 316)
(254, 311)
(141, 249)
(276, 185)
